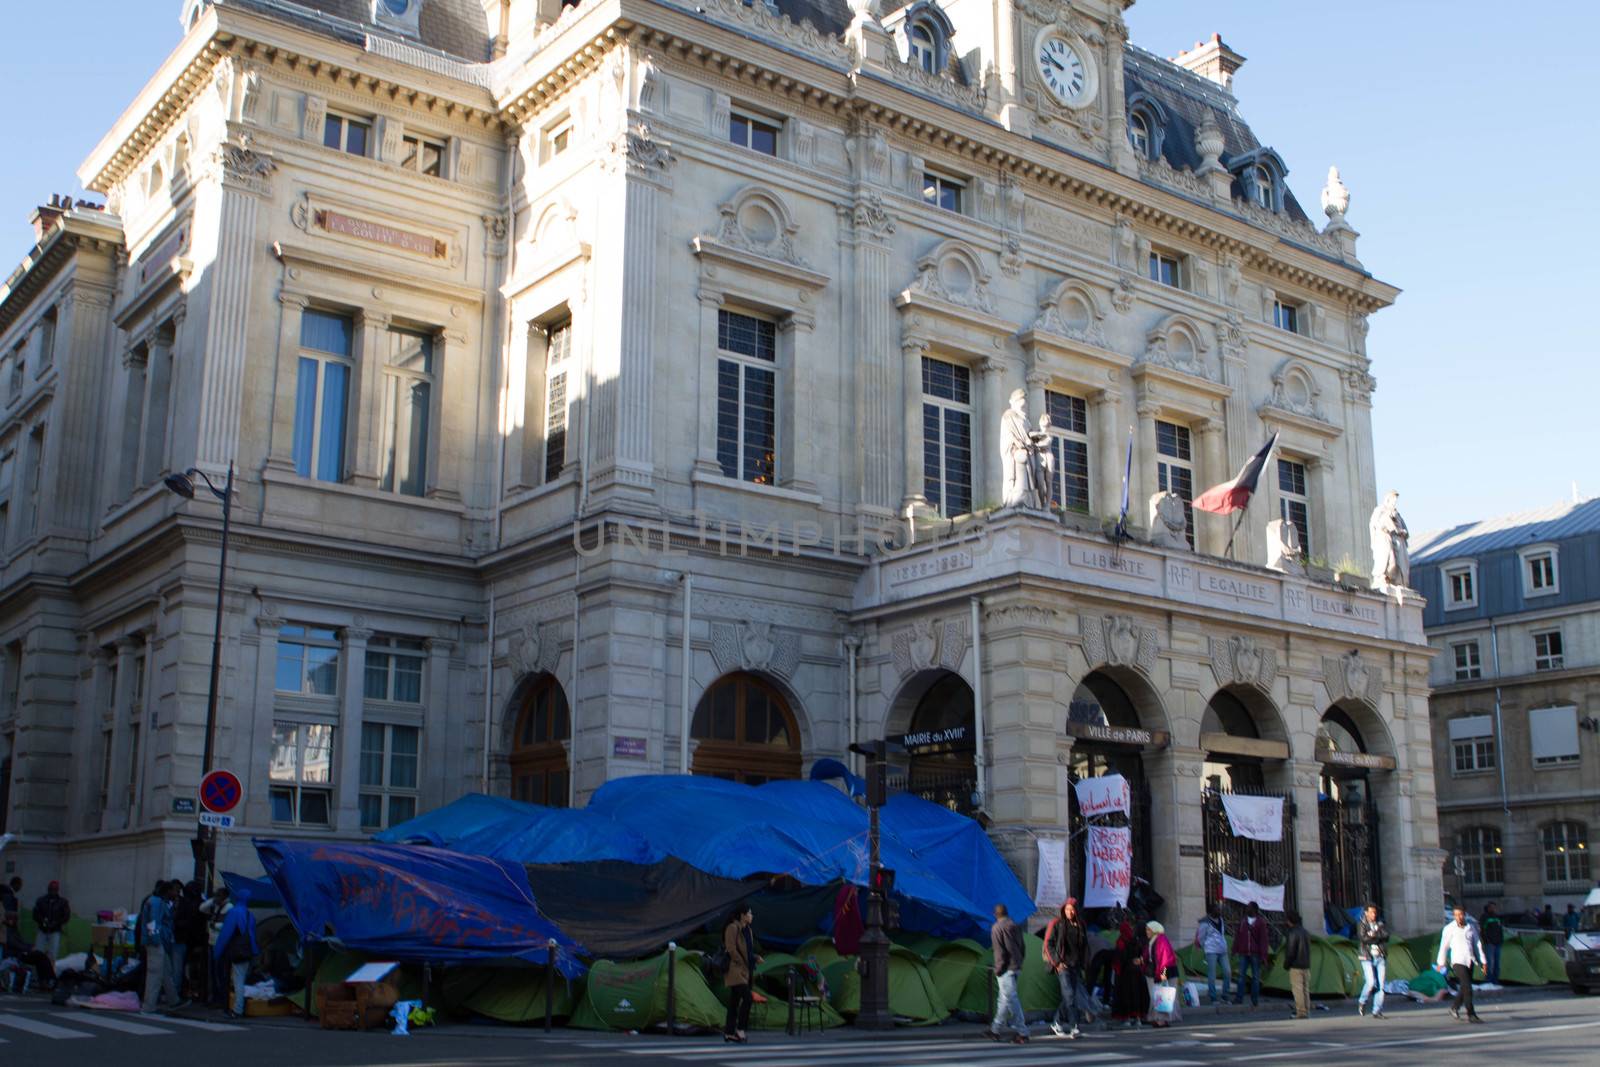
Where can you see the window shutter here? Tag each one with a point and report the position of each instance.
(1471, 726)
(1554, 732)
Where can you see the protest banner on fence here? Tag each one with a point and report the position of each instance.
(1052, 883)
(1258, 818)
(1266, 897)
(1103, 795)
(1108, 866)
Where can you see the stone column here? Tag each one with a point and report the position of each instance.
(84, 327)
(152, 458)
(1308, 840)
(868, 228)
(438, 743)
(1109, 456)
(1176, 819)
(1144, 461)
(127, 408)
(286, 384)
(448, 438)
(911, 352)
(1328, 540)
(252, 746)
(990, 400)
(364, 434)
(520, 472)
(1212, 533)
(347, 740)
(116, 815)
(797, 436)
(174, 390)
(1034, 382)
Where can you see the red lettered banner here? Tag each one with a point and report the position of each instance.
(1108, 866)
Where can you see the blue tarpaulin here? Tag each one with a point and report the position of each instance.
(256, 892)
(413, 903)
(527, 833)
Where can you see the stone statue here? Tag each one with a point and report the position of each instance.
(1169, 526)
(1025, 457)
(1335, 196)
(1391, 558)
(1284, 551)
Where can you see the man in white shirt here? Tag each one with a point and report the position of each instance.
(1459, 949)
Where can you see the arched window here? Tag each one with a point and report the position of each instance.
(924, 40)
(746, 732)
(1483, 865)
(539, 767)
(942, 744)
(1139, 134)
(1566, 854)
(1261, 187)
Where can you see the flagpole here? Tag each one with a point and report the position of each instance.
(1235, 533)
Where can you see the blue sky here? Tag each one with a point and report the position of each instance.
(1466, 136)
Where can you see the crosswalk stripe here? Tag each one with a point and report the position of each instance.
(201, 1024)
(119, 1025)
(1009, 1055)
(59, 1033)
(925, 1051)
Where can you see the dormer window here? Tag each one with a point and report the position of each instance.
(400, 16)
(1139, 135)
(924, 48)
(1259, 176)
(1261, 186)
(925, 37)
(1147, 125)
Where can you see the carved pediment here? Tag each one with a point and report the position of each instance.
(954, 272)
(1075, 311)
(1240, 660)
(1178, 343)
(757, 220)
(929, 644)
(1348, 677)
(1118, 641)
(1297, 398)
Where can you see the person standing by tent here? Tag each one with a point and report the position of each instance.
(1297, 961)
(1161, 967)
(1569, 921)
(236, 947)
(1130, 993)
(188, 936)
(1066, 950)
(1372, 934)
(1493, 932)
(1251, 946)
(739, 944)
(1211, 936)
(50, 915)
(1459, 949)
(155, 925)
(1005, 941)
(848, 925)
(11, 943)
(214, 909)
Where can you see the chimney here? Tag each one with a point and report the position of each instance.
(1211, 59)
(45, 216)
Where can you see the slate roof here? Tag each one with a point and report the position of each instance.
(455, 27)
(1555, 523)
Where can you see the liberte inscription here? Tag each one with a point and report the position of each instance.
(1100, 559)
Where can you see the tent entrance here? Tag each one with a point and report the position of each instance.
(1348, 820)
(1267, 863)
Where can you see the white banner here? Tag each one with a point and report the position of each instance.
(1258, 818)
(1107, 867)
(1266, 897)
(1103, 795)
(1052, 884)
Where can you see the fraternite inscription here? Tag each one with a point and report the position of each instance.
(1345, 607)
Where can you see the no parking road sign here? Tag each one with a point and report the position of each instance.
(220, 791)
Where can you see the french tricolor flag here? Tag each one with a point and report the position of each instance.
(1233, 495)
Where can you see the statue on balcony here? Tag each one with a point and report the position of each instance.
(1391, 557)
(1284, 551)
(1025, 457)
(1169, 521)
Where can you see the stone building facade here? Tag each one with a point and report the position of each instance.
(1514, 614)
(615, 388)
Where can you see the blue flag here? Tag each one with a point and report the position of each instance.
(1127, 474)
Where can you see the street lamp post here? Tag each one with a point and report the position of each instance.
(874, 1013)
(183, 485)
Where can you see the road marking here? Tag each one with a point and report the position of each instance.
(201, 1024)
(1009, 1055)
(121, 1025)
(59, 1033)
(1465, 1035)
(871, 1051)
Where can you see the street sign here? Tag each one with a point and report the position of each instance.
(183, 806)
(220, 792)
(221, 822)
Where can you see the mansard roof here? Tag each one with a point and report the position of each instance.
(1557, 522)
(455, 27)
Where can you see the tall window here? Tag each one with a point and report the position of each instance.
(941, 191)
(1175, 468)
(924, 47)
(746, 732)
(558, 348)
(539, 772)
(1285, 316)
(1139, 134)
(1461, 586)
(947, 436)
(18, 371)
(407, 406)
(322, 395)
(747, 385)
(394, 670)
(1553, 734)
(1163, 268)
(388, 774)
(1482, 862)
(345, 134)
(1547, 651)
(8, 473)
(300, 771)
(1261, 187)
(1293, 503)
(421, 155)
(1472, 744)
(35, 475)
(47, 340)
(308, 661)
(1566, 854)
(1069, 444)
(1469, 664)
(753, 133)
(1539, 573)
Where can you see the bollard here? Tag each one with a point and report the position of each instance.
(789, 1026)
(549, 984)
(672, 987)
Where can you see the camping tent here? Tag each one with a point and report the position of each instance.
(509, 994)
(633, 995)
(1516, 967)
(1425, 951)
(1543, 957)
(960, 970)
(1330, 970)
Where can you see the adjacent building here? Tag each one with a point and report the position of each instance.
(1514, 612)
(617, 388)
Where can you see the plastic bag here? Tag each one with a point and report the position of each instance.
(1164, 999)
(401, 1014)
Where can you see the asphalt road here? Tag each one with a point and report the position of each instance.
(1550, 1028)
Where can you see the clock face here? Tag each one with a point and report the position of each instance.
(1062, 69)
(397, 8)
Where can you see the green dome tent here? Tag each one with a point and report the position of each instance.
(1516, 967)
(1542, 955)
(1402, 967)
(844, 986)
(1425, 951)
(1329, 971)
(913, 996)
(633, 995)
(961, 971)
(820, 949)
(509, 994)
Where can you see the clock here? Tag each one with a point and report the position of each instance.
(397, 8)
(1063, 69)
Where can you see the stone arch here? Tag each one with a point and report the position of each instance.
(1177, 340)
(1371, 732)
(1266, 719)
(1140, 705)
(953, 270)
(536, 740)
(557, 224)
(746, 727)
(1073, 309)
(1254, 747)
(757, 219)
(938, 707)
(1295, 389)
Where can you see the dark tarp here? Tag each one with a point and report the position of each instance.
(507, 829)
(257, 892)
(625, 910)
(412, 903)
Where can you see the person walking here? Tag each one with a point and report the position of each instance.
(155, 923)
(1459, 948)
(1372, 935)
(1250, 944)
(236, 947)
(1161, 971)
(1211, 936)
(1066, 948)
(1493, 932)
(50, 915)
(188, 937)
(1005, 941)
(1297, 961)
(1569, 921)
(214, 909)
(739, 942)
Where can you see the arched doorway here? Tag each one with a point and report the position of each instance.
(1347, 816)
(941, 745)
(1245, 749)
(746, 732)
(1109, 738)
(540, 770)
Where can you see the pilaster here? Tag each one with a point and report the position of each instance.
(286, 383)
(347, 739)
(911, 353)
(1109, 443)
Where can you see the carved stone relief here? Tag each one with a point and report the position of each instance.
(534, 646)
(953, 272)
(1240, 660)
(1348, 677)
(1118, 641)
(755, 646)
(929, 644)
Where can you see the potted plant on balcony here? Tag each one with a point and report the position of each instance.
(1317, 568)
(1349, 575)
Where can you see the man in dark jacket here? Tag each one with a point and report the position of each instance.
(10, 919)
(1372, 934)
(1066, 946)
(1251, 946)
(1005, 941)
(1493, 935)
(50, 915)
(1297, 961)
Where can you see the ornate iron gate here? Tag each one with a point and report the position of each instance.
(1267, 863)
(1138, 821)
(1351, 874)
(948, 789)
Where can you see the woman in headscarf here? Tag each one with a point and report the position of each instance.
(1130, 992)
(1161, 968)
